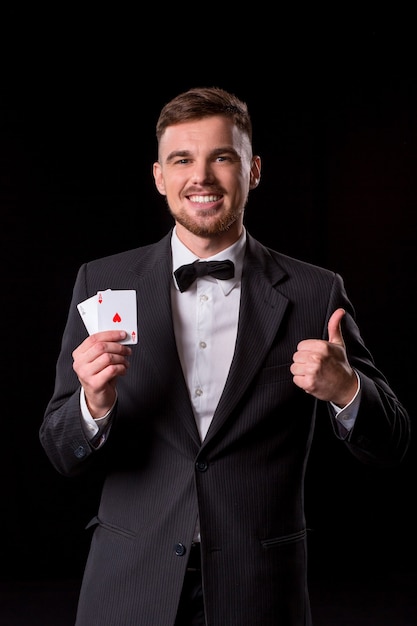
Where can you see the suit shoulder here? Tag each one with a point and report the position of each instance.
(125, 257)
(291, 266)
(128, 258)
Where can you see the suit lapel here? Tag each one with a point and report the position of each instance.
(262, 309)
(155, 315)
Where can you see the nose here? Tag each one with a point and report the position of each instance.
(202, 173)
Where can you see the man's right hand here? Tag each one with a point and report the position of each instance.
(98, 361)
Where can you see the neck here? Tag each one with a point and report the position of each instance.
(205, 247)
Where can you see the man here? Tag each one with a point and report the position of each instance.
(204, 427)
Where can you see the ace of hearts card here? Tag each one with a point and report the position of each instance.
(111, 309)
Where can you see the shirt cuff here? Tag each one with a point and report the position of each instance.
(347, 415)
(93, 426)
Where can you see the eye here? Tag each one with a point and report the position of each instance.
(226, 157)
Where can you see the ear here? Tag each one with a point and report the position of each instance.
(159, 179)
(255, 172)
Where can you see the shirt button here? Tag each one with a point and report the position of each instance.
(198, 392)
(203, 344)
(203, 298)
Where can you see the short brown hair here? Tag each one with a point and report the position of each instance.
(201, 102)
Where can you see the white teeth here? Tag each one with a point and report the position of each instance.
(204, 199)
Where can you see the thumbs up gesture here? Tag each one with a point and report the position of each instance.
(321, 367)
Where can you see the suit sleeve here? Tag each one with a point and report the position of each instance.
(381, 433)
(62, 434)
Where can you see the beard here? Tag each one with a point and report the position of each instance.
(205, 225)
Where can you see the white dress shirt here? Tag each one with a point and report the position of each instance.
(205, 324)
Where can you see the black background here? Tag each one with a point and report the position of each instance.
(335, 121)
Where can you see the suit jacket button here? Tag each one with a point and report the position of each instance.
(202, 466)
(180, 549)
(79, 452)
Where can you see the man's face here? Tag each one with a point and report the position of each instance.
(205, 170)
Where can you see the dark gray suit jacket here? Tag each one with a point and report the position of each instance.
(245, 481)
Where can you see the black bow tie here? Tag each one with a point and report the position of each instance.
(186, 274)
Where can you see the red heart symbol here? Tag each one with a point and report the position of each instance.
(117, 318)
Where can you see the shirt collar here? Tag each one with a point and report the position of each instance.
(181, 255)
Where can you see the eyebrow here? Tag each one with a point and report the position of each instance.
(175, 154)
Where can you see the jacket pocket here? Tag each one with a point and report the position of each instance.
(275, 374)
(284, 539)
(96, 521)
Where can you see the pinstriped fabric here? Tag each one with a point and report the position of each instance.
(245, 481)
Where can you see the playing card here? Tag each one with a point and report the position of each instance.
(116, 309)
(111, 309)
(89, 314)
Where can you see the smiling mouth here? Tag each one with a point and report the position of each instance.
(204, 199)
